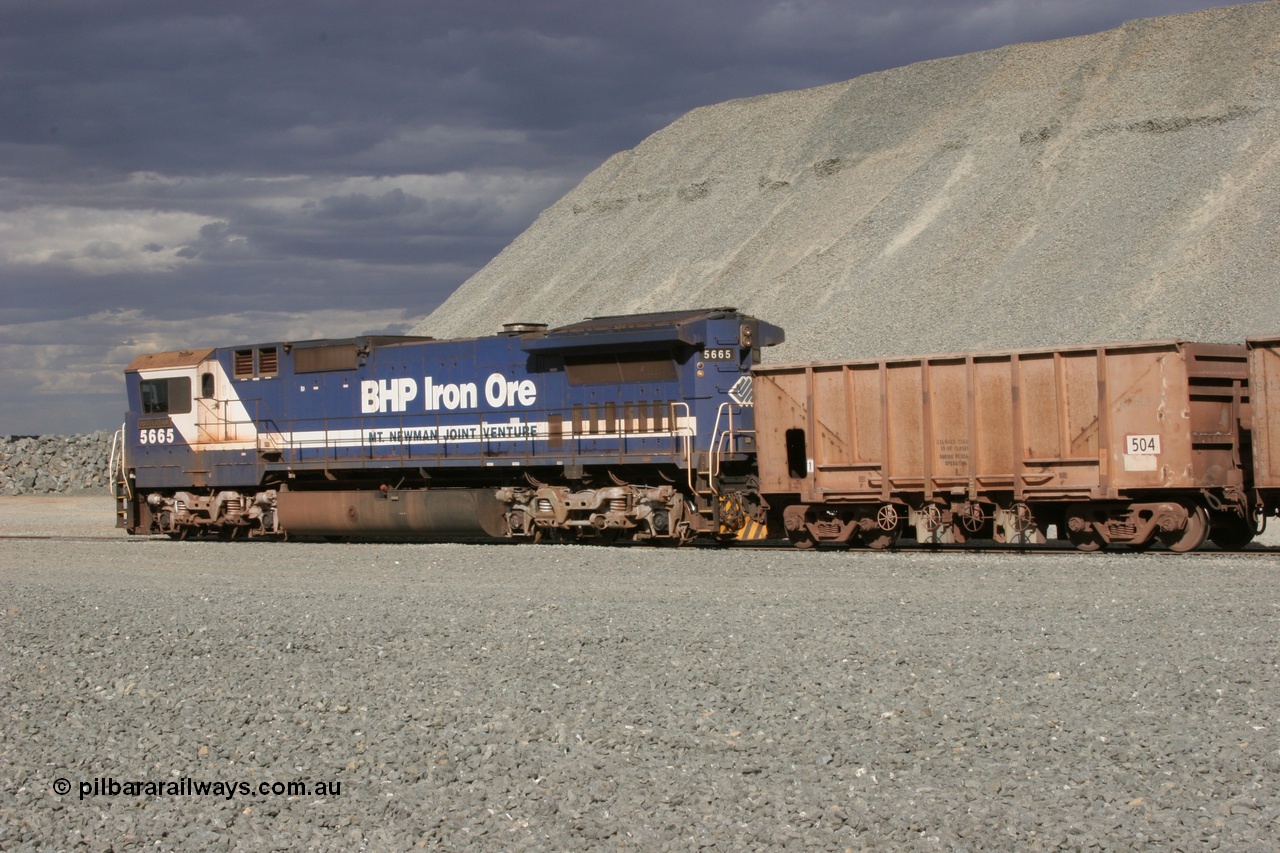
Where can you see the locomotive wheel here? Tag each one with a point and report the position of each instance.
(1190, 537)
(1231, 536)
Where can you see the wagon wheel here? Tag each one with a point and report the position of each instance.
(1231, 535)
(1085, 540)
(800, 539)
(1080, 532)
(931, 517)
(1190, 537)
(882, 541)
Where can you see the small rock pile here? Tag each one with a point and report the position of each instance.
(54, 464)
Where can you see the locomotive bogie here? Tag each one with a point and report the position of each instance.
(226, 513)
(653, 512)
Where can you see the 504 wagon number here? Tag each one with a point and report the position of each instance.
(1142, 445)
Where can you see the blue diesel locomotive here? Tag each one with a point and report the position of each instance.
(636, 427)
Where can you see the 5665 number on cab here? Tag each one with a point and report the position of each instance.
(156, 436)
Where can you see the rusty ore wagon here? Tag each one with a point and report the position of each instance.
(1115, 445)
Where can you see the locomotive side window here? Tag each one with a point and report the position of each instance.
(646, 367)
(206, 385)
(322, 358)
(602, 368)
(170, 396)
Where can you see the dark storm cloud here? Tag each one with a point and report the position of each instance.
(177, 174)
(265, 88)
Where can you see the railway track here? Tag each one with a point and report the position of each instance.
(775, 546)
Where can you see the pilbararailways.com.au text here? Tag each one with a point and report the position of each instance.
(229, 789)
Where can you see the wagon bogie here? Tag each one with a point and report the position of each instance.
(1181, 525)
(875, 526)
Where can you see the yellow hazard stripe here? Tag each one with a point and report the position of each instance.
(750, 531)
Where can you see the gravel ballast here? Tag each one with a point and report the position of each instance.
(567, 698)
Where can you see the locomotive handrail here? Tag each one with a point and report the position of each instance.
(684, 435)
(118, 443)
(117, 439)
(719, 439)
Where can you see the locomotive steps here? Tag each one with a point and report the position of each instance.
(1118, 186)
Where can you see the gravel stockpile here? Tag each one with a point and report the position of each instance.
(1119, 186)
(564, 698)
(52, 464)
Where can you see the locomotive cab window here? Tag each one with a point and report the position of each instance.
(170, 396)
(206, 385)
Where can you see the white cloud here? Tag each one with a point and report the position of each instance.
(96, 241)
(86, 354)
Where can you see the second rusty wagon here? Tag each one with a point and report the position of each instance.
(1124, 444)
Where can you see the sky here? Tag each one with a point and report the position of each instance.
(177, 174)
